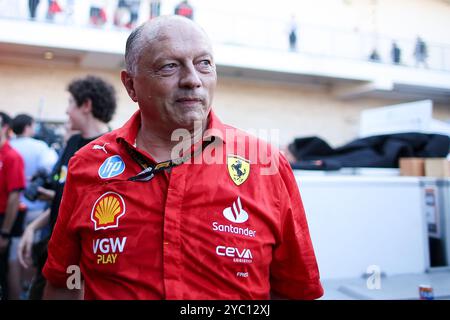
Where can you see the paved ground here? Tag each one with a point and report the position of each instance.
(399, 287)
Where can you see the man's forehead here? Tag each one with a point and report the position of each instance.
(168, 28)
(178, 44)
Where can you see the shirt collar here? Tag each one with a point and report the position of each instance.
(6, 146)
(128, 132)
(215, 128)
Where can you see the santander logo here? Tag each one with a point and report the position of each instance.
(236, 213)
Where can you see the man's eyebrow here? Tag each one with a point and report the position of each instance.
(165, 56)
(205, 53)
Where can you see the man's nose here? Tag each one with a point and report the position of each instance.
(189, 77)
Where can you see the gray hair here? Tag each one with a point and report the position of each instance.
(133, 49)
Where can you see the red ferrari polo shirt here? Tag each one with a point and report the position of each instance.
(213, 227)
(12, 173)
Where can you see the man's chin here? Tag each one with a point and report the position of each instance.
(73, 127)
(191, 119)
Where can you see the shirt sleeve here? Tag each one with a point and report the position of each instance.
(294, 270)
(15, 174)
(64, 246)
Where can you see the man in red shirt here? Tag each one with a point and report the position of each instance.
(12, 181)
(145, 216)
(184, 9)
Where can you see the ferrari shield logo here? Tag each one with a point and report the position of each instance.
(238, 168)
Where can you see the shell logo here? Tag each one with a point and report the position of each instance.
(107, 210)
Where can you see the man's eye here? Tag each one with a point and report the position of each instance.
(205, 66)
(169, 67)
(205, 63)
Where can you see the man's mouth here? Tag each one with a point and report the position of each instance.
(189, 100)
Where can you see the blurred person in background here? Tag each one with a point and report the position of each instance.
(421, 52)
(292, 33)
(32, 6)
(134, 6)
(374, 56)
(395, 53)
(184, 9)
(12, 182)
(155, 8)
(91, 106)
(122, 14)
(39, 159)
(127, 13)
(53, 9)
(97, 12)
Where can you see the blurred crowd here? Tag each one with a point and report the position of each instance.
(127, 14)
(34, 159)
(119, 13)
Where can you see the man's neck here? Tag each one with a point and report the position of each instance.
(2, 141)
(159, 144)
(93, 129)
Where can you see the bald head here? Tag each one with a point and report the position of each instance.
(154, 30)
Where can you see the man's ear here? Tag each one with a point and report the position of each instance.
(128, 82)
(4, 132)
(87, 106)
